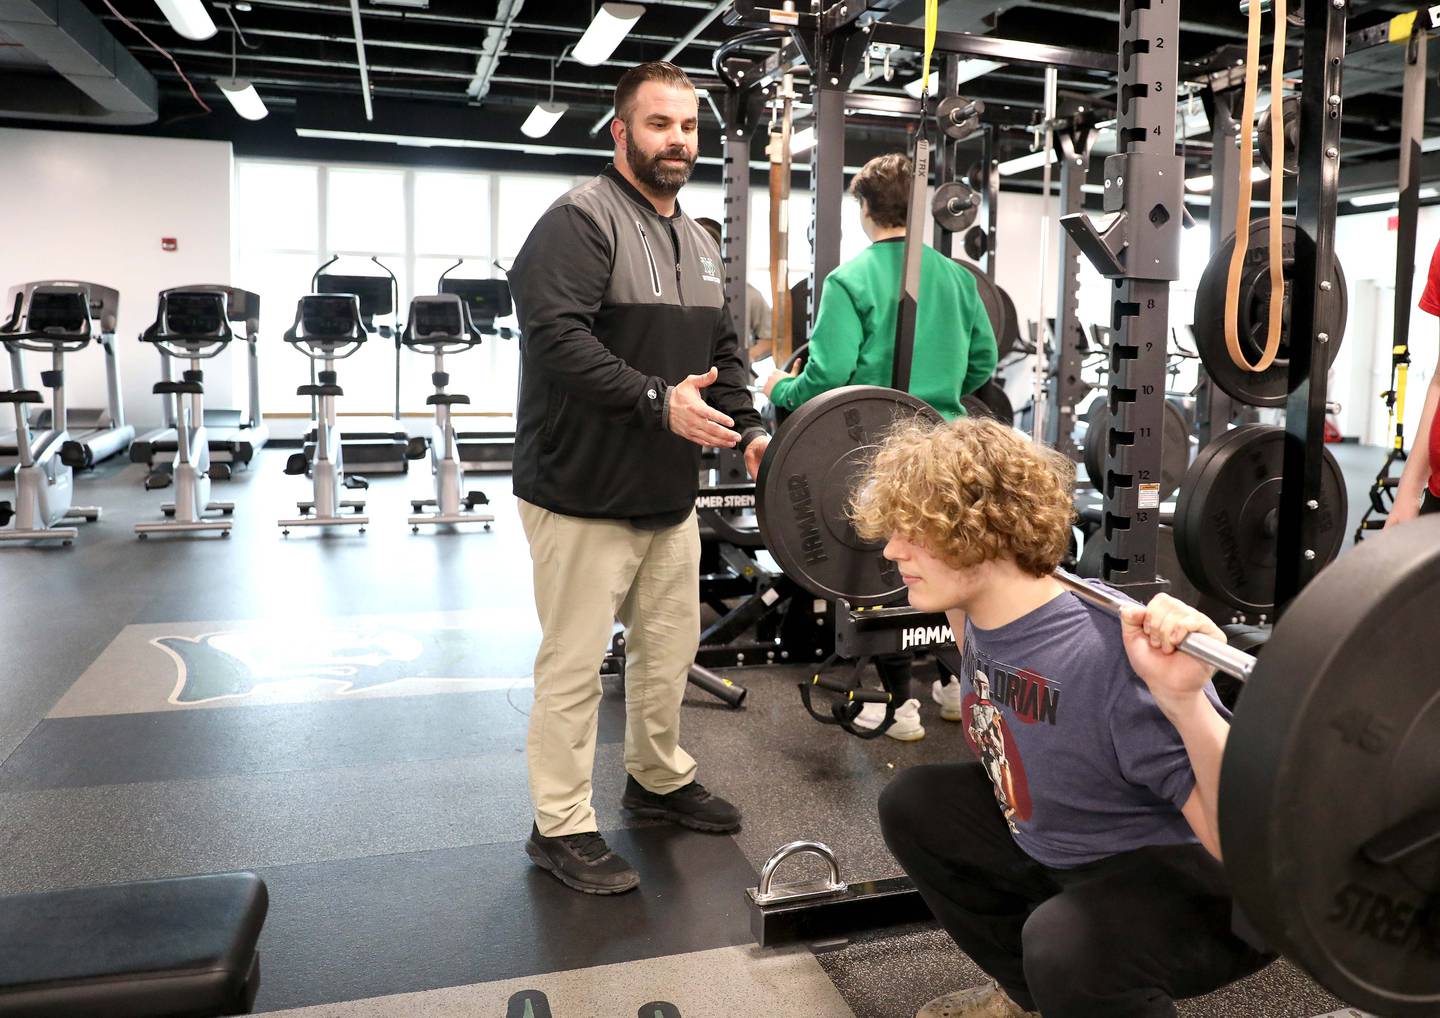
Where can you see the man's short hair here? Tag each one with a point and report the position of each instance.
(884, 185)
(968, 492)
(656, 70)
(711, 227)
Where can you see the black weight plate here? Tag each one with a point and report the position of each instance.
(990, 400)
(1092, 559)
(1167, 567)
(1227, 512)
(955, 205)
(796, 360)
(1337, 740)
(1174, 449)
(1271, 386)
(975, 175)
(991, 296)
(976, 243)
(806, 480)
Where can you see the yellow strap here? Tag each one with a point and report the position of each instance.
(1244, 188)
(932, 19)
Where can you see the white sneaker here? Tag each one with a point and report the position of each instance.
(950, 699)
(907, 727)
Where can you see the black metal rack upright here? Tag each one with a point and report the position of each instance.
(1312, 320)
(1140, 250)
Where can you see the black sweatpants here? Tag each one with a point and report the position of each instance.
(1431, 503)
(1125, 936)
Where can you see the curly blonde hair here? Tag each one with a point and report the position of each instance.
(968, 492)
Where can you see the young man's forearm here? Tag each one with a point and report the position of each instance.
(1204, 733)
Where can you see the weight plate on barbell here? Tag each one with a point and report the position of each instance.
(806, 480)
(959, 117)
(1227, 516)
(990, 400)
(992, 297)
(1336, 740)
(1174, 446)
(1271, 386)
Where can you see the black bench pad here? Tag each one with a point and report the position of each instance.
(179, 948)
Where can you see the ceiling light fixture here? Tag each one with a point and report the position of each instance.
(188, 17)
(241, 93)
(612, 24)
(547, 114)
(802, 141)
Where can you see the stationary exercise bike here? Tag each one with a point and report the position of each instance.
(49, 318)
(327, 328)
(192, 323)
(439, 325)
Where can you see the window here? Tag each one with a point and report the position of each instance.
(293, 217)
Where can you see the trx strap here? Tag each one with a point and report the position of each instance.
(1244, 187)
(914, 243)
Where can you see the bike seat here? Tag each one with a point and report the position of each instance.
(446, 399)
(319, 390)
(21, 396)
(181, 388)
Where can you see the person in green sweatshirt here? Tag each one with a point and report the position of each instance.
(853, 341)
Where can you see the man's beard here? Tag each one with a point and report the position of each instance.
(658, 176)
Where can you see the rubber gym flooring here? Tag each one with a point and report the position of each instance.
(345, 714)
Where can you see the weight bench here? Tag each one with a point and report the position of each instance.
(181, 948)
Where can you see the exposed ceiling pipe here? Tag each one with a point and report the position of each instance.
(495, 40)
(453, 19)
(1107, 14)
(689, 37)
(360, 57)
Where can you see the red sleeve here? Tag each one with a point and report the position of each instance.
(1430, 299)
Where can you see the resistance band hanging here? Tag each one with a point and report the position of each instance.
(1243, 189)
(779, 152)
(914, 243)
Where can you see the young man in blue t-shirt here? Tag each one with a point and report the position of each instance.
(1077, 860)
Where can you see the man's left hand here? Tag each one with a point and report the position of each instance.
(1152, 635)
(754, 453)
(776, 376)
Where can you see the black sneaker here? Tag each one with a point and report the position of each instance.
(582, 862)
(691, 806)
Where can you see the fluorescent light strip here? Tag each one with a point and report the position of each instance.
(1366, 201)
(1206, 183)
(612, 24)
(243, 97)
(418, 141)
(543, 117)
(969, 71)
(1034, 161)
(802, 141)
(188, 17)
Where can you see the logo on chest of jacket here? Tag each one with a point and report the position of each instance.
(709, 269)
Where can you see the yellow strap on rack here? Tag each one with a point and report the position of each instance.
(932, 21)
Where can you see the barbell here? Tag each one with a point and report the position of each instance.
(1329, 807)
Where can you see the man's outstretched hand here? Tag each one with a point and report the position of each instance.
(695, 420)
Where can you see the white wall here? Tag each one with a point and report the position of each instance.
(94, 207)
(1361, 371)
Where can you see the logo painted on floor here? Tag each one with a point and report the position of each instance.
(659, 1009)
(237, 663)
(534, 1004)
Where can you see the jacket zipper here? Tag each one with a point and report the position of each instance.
(650, 257)
(675, 242)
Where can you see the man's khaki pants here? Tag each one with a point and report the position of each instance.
(587, 574)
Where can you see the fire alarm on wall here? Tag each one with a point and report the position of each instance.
(168, 244)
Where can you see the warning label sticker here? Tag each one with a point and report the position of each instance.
(1149, 497)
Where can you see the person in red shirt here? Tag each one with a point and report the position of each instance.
(1419, 490)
